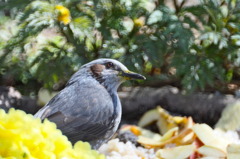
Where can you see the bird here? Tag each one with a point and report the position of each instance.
(88, 108)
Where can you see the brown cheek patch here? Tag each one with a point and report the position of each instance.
(97, 69)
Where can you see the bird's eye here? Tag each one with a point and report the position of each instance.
(109, 65)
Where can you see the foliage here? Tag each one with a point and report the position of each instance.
(23, 136)
(195, 44)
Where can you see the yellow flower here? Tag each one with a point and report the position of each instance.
(24, 137)
(63, 15)
(139, 22)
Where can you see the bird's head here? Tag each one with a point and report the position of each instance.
(110, 73)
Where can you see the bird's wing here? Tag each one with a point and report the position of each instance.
(81, 111)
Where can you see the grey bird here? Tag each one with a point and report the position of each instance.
(88, 108)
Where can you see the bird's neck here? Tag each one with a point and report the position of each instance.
(117, 113)
(111, 88)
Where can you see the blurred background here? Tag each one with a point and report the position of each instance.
(191, 45)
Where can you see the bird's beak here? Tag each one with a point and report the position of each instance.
(128, 75)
